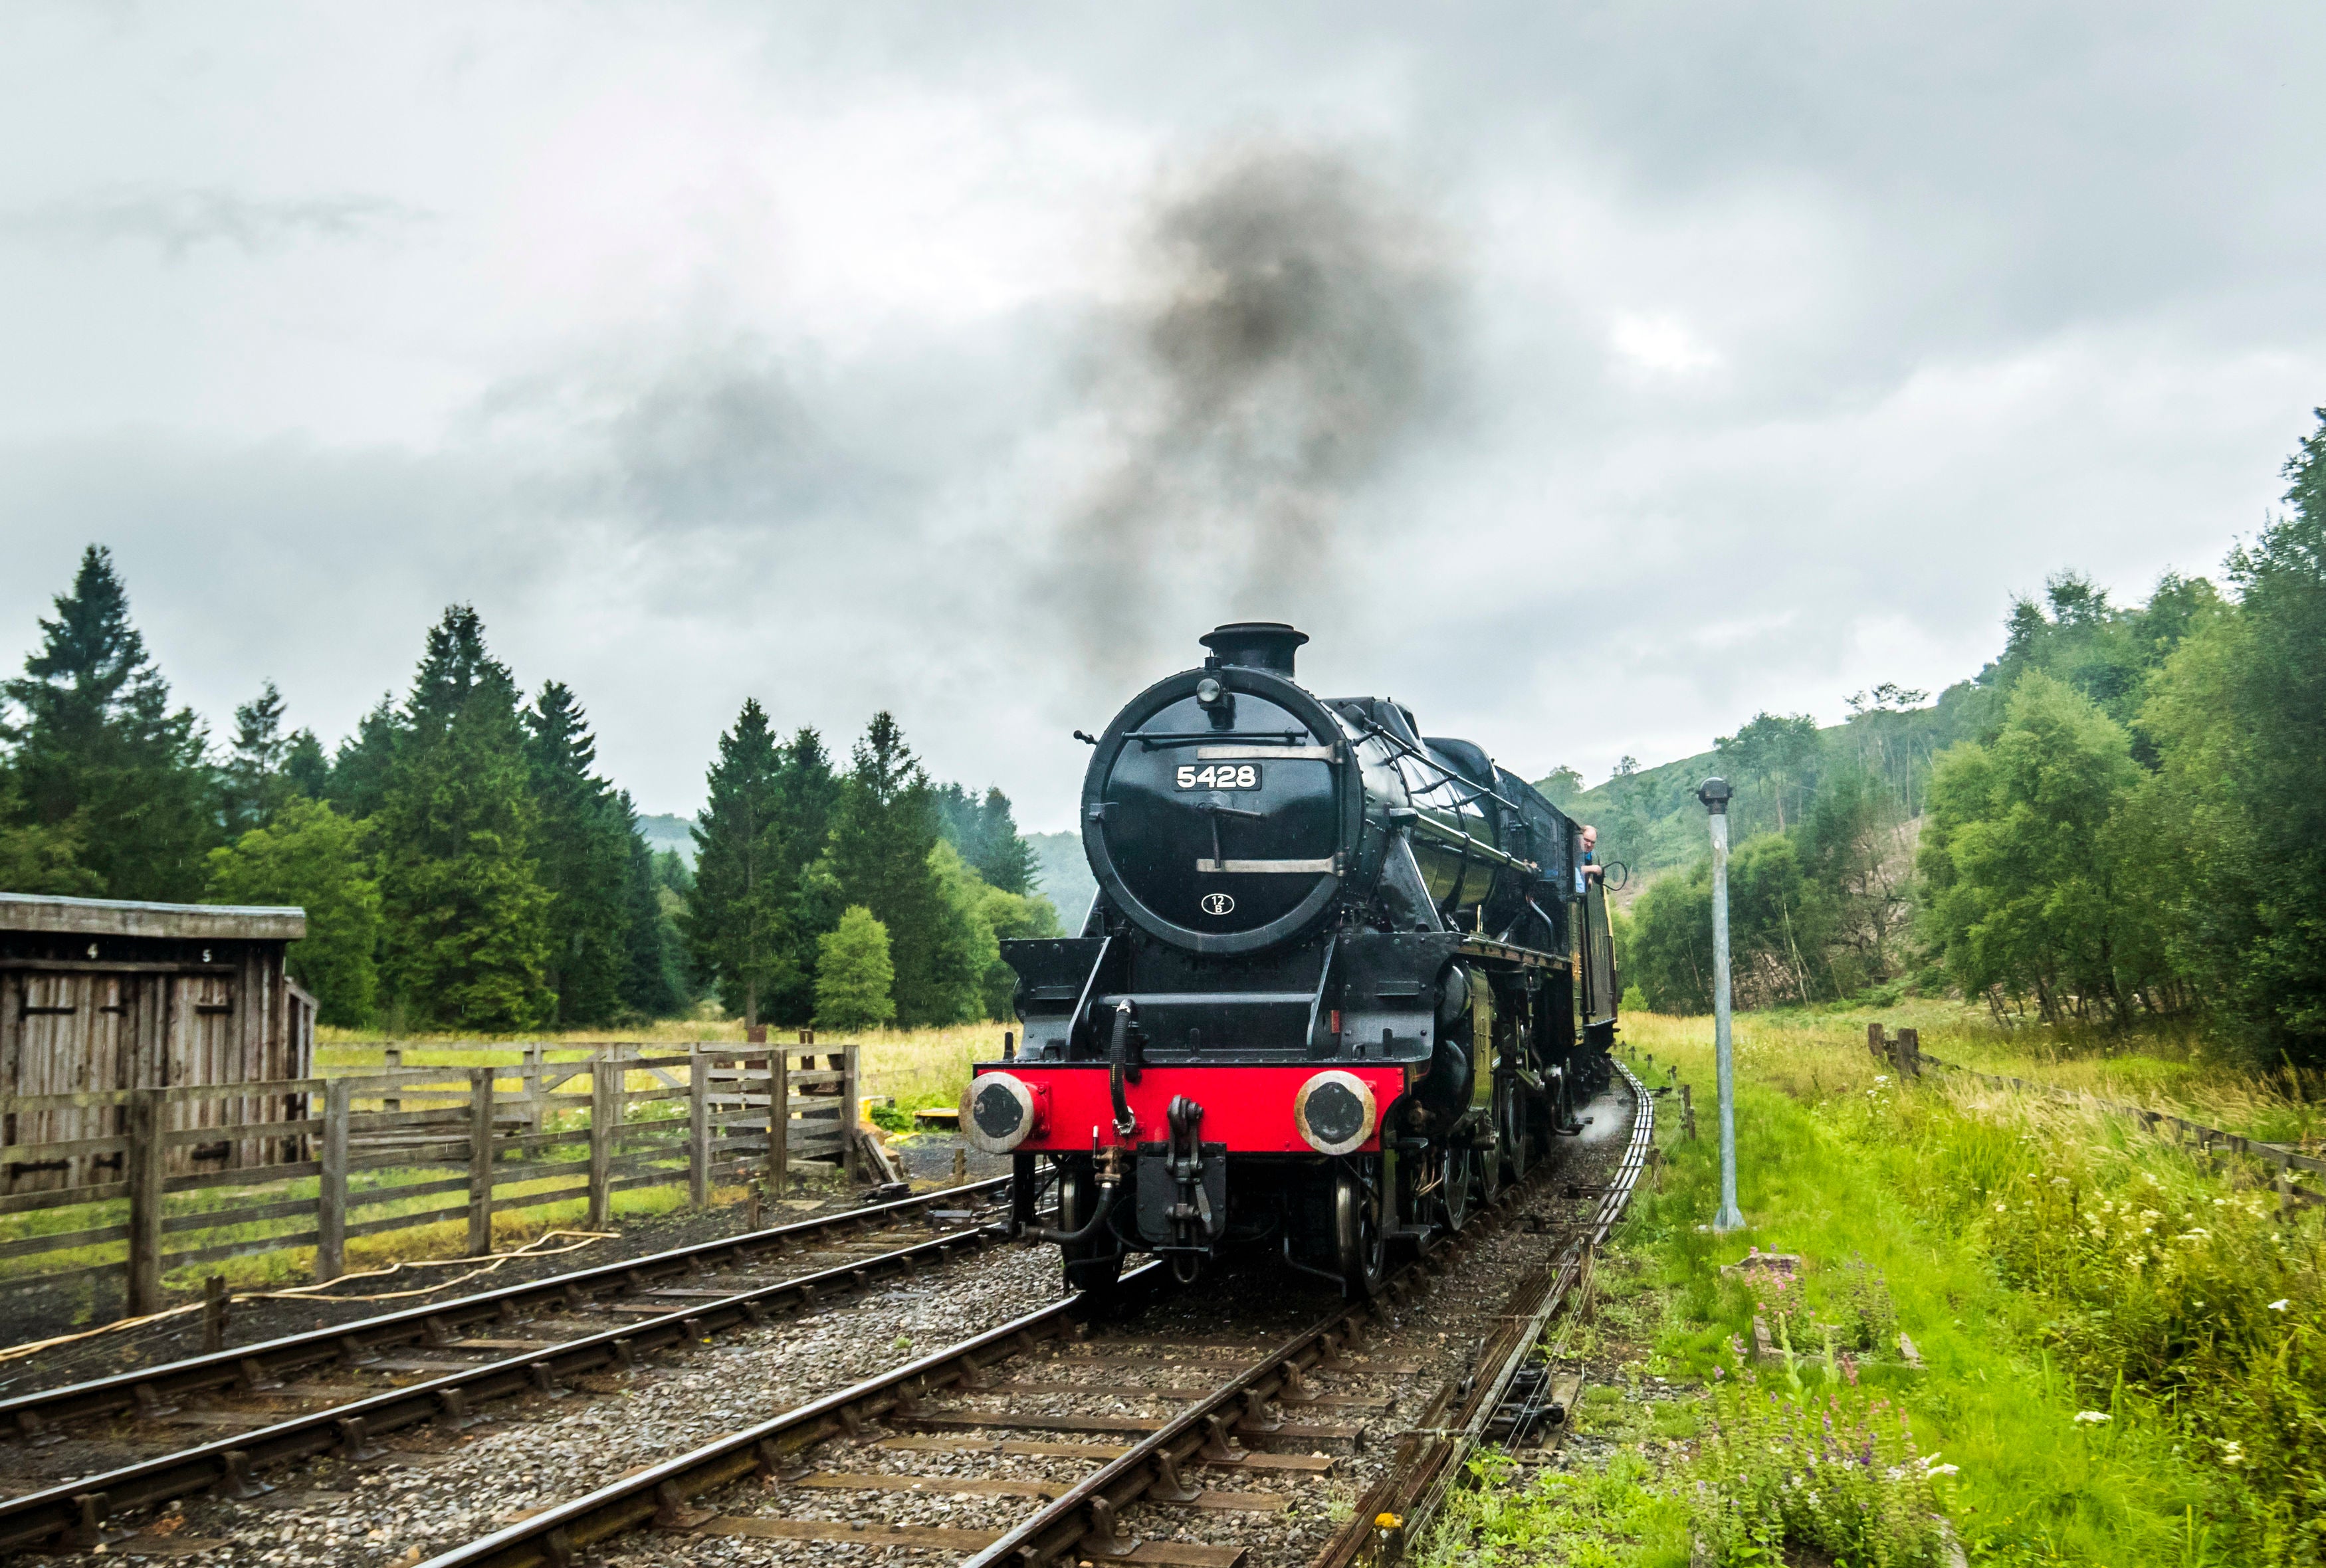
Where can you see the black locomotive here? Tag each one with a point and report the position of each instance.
(1341, 982)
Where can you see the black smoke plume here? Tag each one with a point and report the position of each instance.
(1287, 341)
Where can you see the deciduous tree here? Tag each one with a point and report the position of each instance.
(854, 977)
(315, 858)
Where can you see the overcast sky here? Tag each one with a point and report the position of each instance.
(1673, 362)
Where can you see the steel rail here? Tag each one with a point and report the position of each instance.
(659, 1494)
(28, 1415)
(1090, 1514)
(662, 1496)
(1429, 1463)
(1093, 1507)
(76, 1509)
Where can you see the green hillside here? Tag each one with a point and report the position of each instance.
(1651, 820)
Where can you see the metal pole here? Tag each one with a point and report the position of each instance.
(1715, 794)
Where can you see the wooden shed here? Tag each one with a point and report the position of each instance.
(101, 996)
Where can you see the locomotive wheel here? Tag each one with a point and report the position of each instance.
(1360, 1240)
(1454, 1188)
(1487, 1164)
(1515, 1118)
(1094, 1265)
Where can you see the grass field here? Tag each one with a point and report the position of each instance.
(2123, 1349)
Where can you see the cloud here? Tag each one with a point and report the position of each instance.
(1590, 378)
(179, 222)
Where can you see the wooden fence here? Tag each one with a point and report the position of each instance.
(369, 1143)
(1903, 1050)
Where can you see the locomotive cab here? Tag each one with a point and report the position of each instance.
(1339, 983)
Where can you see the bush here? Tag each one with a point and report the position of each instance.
(1835, 1474)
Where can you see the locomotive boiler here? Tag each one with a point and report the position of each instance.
(1341, 982)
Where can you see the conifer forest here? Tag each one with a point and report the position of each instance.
(465, 867)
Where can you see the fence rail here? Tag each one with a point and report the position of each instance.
(1904, 1051)
(363, 1144)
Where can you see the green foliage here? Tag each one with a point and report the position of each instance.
(1012, 917)
(1592, 1518)
(108, 779)
(362, 767)
(654, 972)
(1783, 751)
(581, 841)
(2238, 720)
(1838, 1473)
(884, 831)
(986, 833)
(257, 780)
(1664, 947)
(315, 858)
(467, 933)
(2024, 857)
(734, 921)
(40, 857)
(854, 976)
(1560, 787)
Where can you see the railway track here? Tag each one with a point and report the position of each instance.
(239, 1388)
(1057, 1435)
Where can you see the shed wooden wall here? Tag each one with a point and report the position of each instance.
(67, 1028)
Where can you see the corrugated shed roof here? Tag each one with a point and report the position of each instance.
(113, 917)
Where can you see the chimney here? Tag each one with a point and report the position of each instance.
(1256, 645)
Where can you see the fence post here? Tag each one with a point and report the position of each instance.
(214, 1310)
(851, 1112)
(777, 1122)
(331, 1191)
(1910, 1054)
(605, 1108)
(1873, 1042)
(698, 1129)
(480, 1160)
(146, 1168)
(533, 1103)
(392, 1059)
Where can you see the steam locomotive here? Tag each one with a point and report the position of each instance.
(1340, 982)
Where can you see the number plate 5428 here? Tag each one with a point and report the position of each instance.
(1224, 776)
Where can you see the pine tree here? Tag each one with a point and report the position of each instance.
(652, 982)
(315, 858)
(883, 831)
(854, 975)
(582, 849)
(806, 792)
(985, 831)
(467, 918)
(253, 782)
(101, 762)
(361, 772)
(735, 923)
(305, 767)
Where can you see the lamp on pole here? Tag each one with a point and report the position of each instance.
(1714, 794)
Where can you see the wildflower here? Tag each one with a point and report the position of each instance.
(2059, 1181)
(2281, 1303)
(1944, 1470)
(2233, 1453)
(2092, 1418)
